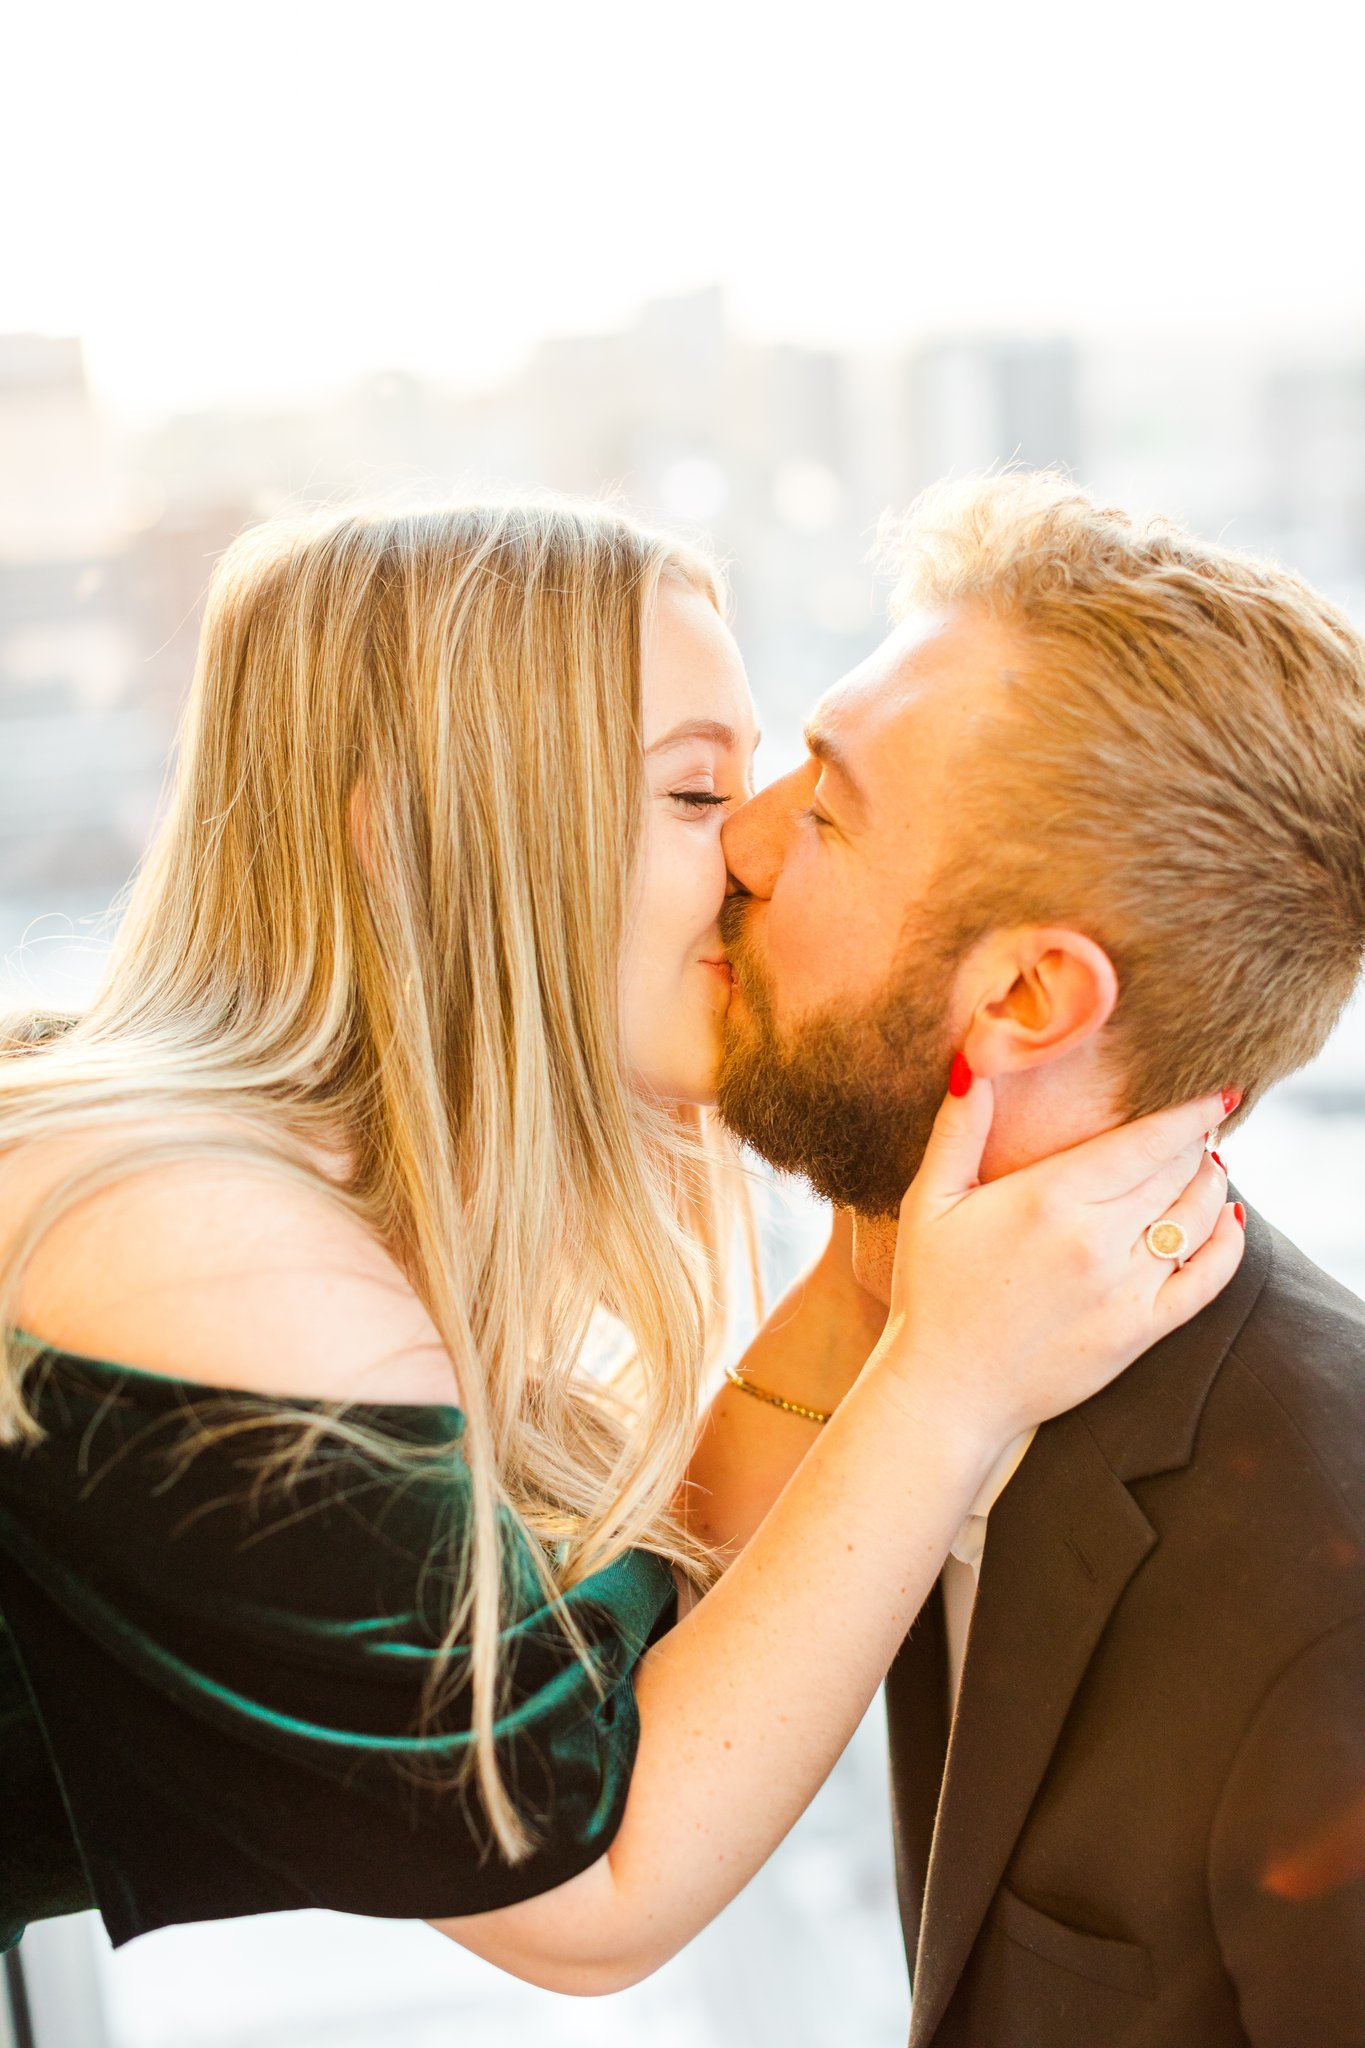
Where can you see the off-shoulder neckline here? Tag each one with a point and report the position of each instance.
(173, 1382)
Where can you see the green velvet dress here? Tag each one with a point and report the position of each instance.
(212, 1663)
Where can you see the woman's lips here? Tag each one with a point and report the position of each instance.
(720, 967)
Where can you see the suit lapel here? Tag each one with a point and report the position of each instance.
(1065, 1538)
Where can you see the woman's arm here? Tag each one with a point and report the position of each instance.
(746, 1706)
(810, 1350)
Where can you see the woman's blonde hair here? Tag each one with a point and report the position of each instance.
(385, 911)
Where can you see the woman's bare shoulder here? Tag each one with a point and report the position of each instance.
(222, 1271)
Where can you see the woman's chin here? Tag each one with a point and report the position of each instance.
(699, 1093)
(675, 1084)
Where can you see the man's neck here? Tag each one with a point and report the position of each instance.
(1036, 1114)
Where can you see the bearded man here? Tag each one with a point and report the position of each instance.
(1090, 823)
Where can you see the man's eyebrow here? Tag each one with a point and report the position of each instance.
(697, 729)
(829, 752)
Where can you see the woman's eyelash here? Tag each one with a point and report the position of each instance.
(698, 799)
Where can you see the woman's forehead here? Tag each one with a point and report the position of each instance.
(693, 673)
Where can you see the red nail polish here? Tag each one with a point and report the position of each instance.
(1239, 1211)
(1217, 1161)
(959, 1075)
(1231, 1098)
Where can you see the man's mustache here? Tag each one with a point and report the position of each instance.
(733, 920)
(749, 972)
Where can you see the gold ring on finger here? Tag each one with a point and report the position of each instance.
(1167, 1239)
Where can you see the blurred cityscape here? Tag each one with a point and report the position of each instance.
(784, 457)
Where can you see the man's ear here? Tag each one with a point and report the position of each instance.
(1035, 994)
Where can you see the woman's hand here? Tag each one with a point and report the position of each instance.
(1010, 1302)
(1021, 1297)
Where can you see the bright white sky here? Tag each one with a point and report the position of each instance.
(265, 198)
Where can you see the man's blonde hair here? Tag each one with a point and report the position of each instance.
(442, 1008)
(1175, 765)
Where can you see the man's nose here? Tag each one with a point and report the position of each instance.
(754, 838)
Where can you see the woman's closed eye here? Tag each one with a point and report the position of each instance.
(697, 800)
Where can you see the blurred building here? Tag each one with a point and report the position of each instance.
(979, 402)
(77, 761)
(1314, 433)
(764, 450)
(782, 456)
(57, 485)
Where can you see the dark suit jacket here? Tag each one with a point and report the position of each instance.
(1151, 1831)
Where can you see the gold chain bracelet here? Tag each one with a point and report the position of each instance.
(737, 1379)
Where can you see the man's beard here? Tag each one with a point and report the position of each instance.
(848, 1097)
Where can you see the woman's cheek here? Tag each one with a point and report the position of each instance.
(691, 887)
(710, 878)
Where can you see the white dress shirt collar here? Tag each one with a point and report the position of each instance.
(962, 1566)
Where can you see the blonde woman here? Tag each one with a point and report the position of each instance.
(333, 1575)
